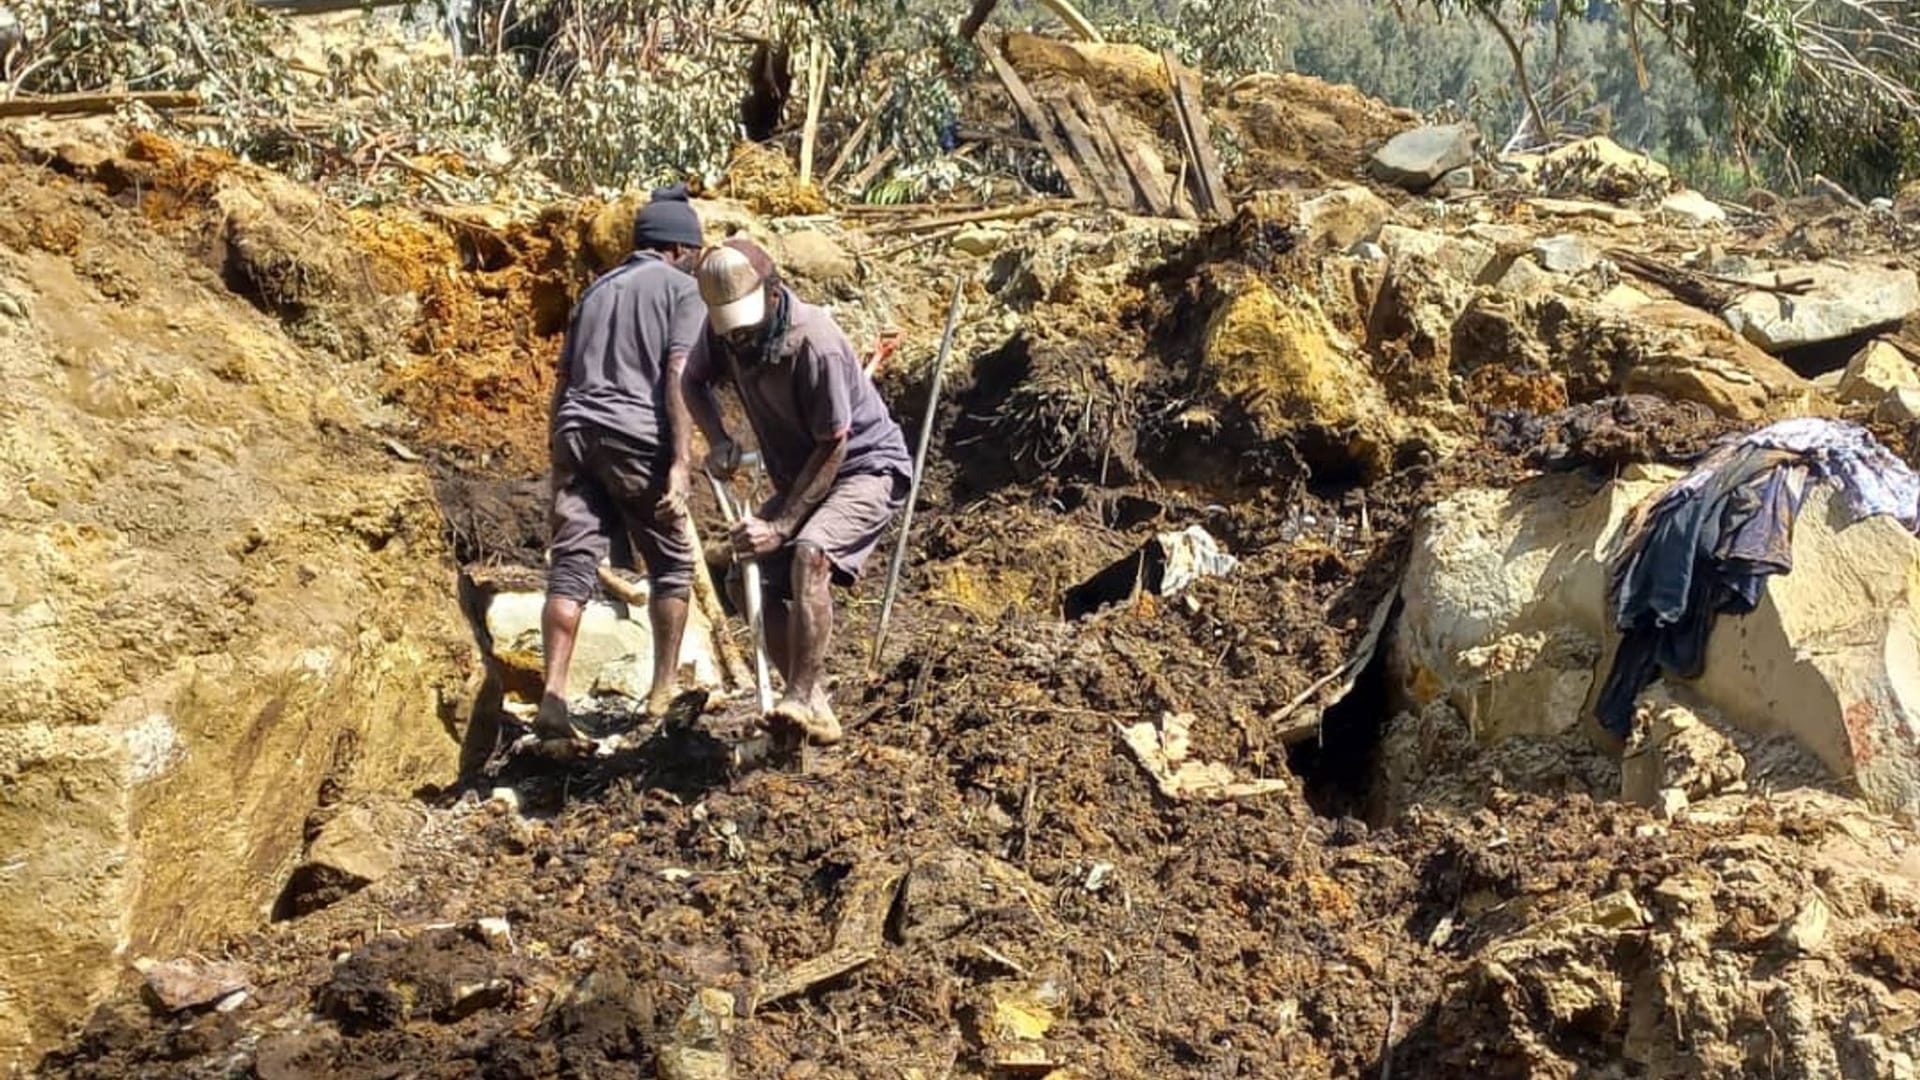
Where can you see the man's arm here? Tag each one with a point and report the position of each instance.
(790, 509)
(697, 400)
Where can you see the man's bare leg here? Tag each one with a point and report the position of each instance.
(668, 614)
(559, 627)
(810, 633)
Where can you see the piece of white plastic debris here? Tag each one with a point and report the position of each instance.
(496, 932)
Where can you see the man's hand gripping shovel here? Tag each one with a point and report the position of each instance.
(761, 743)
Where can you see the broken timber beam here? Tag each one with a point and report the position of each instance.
(57, 104)
(1189, 106)
(1036, 118)
(998, 213)
(857, 940)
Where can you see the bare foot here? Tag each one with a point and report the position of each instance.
(554, 722)
(816, 720)
(659, 701)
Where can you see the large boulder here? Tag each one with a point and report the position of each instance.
(613, 653)
(220, 594)
(1300, 377)
(1506, 618)
(1467, 260)
(1417, 159)
(1843, 301)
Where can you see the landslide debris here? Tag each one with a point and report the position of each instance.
(984, 881)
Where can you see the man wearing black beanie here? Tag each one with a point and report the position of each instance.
(621, 446)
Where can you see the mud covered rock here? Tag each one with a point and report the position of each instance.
(1343, 217)
(1506, 619)
(1300, 378)
(355, 847)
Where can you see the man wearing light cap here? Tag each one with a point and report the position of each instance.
(839, 464)
(622, 444)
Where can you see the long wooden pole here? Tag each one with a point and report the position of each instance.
(919, 473)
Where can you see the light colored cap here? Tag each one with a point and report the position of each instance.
(733, 284)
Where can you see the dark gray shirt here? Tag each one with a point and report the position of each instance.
(615, 360)
(814, 389)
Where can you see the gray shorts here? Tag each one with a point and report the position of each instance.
(607, 489)
(847, 526)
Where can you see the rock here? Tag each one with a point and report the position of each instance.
(1301, 377)
(1488, 566)
(1026, 1013)
(1415, 159)
(612, 654)
(1600, 168)
(698, 1047)
(1368, 251)
(506, 798)
(1572, 208)
(1456, 182)
(813, 256)
(1507, 237)
(1900, 407)
(979, 240)
(1343, 217)
(1842, 302)
(1685, 354)
(1464, 258)
(1692, 208)
(11, 307)
(1525, 278)
(1566, 254)
(355, 848)
(179, 985)
(1875, 372)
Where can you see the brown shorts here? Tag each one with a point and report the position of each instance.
(847, 526)
(606, 488)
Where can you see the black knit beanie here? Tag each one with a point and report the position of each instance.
(667, 219)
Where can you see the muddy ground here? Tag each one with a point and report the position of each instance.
(991, 883)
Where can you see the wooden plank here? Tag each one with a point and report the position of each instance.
(55, 104)
(1146, 180)
(816, 91)
(1036, 118)
(1112, 192)
(1210, 195)
(1088, 113)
